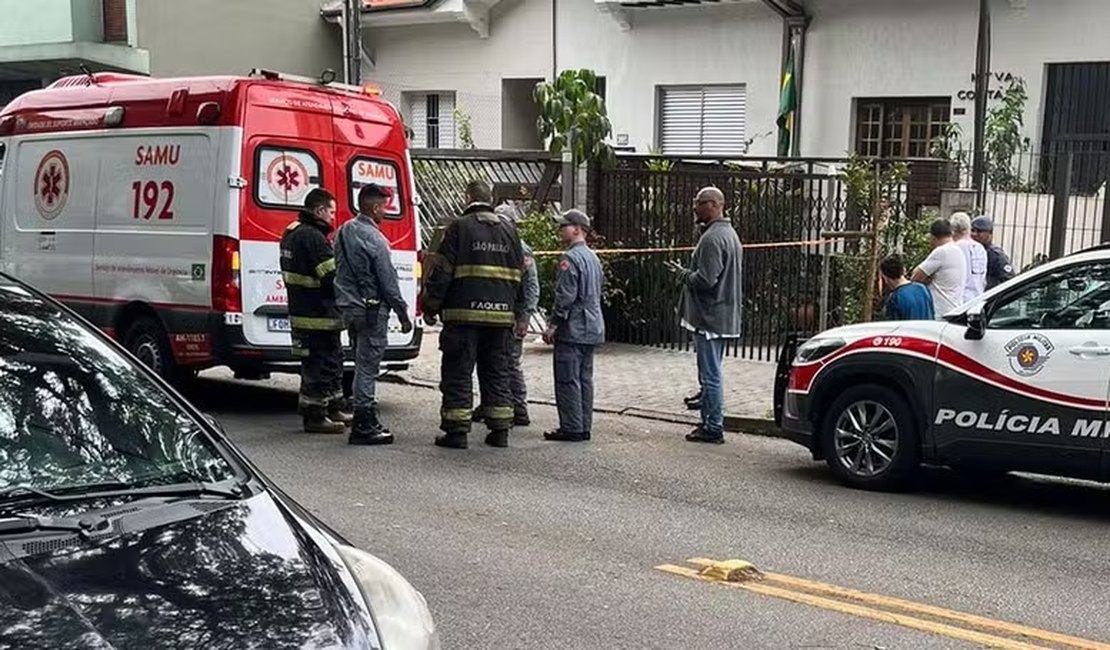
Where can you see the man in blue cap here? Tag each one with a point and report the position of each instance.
(999, 268)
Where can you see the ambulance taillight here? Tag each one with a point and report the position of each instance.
(227, 295)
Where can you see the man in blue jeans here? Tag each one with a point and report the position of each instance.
(711, 307)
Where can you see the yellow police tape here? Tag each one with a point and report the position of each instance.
(689, 249)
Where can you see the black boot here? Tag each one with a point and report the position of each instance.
(378, 418)
(498, 438)
(366, 430)
(452, 440)
(693, 402)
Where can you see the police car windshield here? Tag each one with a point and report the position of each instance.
(1073, 298)
(73, 411)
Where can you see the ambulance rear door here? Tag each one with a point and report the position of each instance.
(370, 147)
(280, 173)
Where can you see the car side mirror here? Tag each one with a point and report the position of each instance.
(976, 324)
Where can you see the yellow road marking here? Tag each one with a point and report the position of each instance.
(848, 601)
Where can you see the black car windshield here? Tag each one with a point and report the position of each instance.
(73, 411)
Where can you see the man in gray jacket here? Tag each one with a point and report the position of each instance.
(711, 306)
(366, 291)
(576, 327)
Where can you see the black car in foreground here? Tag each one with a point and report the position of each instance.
(128, 520)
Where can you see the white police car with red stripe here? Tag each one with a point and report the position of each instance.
(1017, 379)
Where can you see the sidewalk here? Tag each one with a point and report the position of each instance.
(634, 380)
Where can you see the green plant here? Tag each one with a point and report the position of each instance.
(572, 112)
(464, 129)
(873, 189)
(537, 229)
(1003, 141)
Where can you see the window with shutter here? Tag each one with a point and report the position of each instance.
(702, 119)
(432, 119)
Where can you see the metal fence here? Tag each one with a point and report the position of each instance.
(442, 175)
(810, 247)
(1044, 205)
(782, 211)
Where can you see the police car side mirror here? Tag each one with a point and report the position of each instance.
(975, 325)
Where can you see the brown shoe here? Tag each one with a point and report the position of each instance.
(323, 425)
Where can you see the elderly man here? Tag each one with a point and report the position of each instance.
(711, 306)
(974, 253)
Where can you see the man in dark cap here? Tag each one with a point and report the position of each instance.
(366, 291)
(576, 327)
(999, 268)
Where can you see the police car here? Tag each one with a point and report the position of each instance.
(1017, 379)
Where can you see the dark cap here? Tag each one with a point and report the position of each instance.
(982, 223)
(573, 218)
(373, 191)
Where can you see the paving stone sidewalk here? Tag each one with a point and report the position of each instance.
(632, 379)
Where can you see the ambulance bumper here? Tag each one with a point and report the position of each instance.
(236, 352)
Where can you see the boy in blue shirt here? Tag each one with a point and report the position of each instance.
(906, 300)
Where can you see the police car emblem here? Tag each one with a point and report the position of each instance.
(1028, 353)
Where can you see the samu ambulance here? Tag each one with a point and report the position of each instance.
(154, 207)
(1017, 379)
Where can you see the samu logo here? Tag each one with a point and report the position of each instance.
(1028, 353)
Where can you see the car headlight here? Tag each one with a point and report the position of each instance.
(400, 611)
(815, 349)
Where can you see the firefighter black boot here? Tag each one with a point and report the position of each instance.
(341, 411)
(452, 440)
(366, 430)
(316, 421)
(498, 438)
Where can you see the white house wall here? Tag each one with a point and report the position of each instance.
(856, 48)
(876, 48)
(451, 57)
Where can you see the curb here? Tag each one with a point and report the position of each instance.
(733, 423)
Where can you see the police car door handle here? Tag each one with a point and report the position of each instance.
(1090, 349)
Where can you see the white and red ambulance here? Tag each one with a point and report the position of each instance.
(154, 207)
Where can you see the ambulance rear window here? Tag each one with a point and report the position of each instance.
(284, 176)
(365, 170)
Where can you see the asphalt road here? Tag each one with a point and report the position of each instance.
(548, 545)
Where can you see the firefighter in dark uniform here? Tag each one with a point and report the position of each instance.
(308, 270)
(999, 268)
(475, 288)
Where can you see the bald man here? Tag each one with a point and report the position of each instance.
(711, 305)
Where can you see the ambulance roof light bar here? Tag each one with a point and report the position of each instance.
(326, 79)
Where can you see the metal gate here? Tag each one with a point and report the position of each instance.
(1077, 122)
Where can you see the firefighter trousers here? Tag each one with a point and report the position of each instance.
(490, 349)
(321, 356)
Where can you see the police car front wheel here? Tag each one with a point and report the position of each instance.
(869, 438)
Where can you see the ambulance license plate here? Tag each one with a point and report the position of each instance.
(278, 324)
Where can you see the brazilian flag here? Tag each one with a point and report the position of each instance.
(788, 104)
